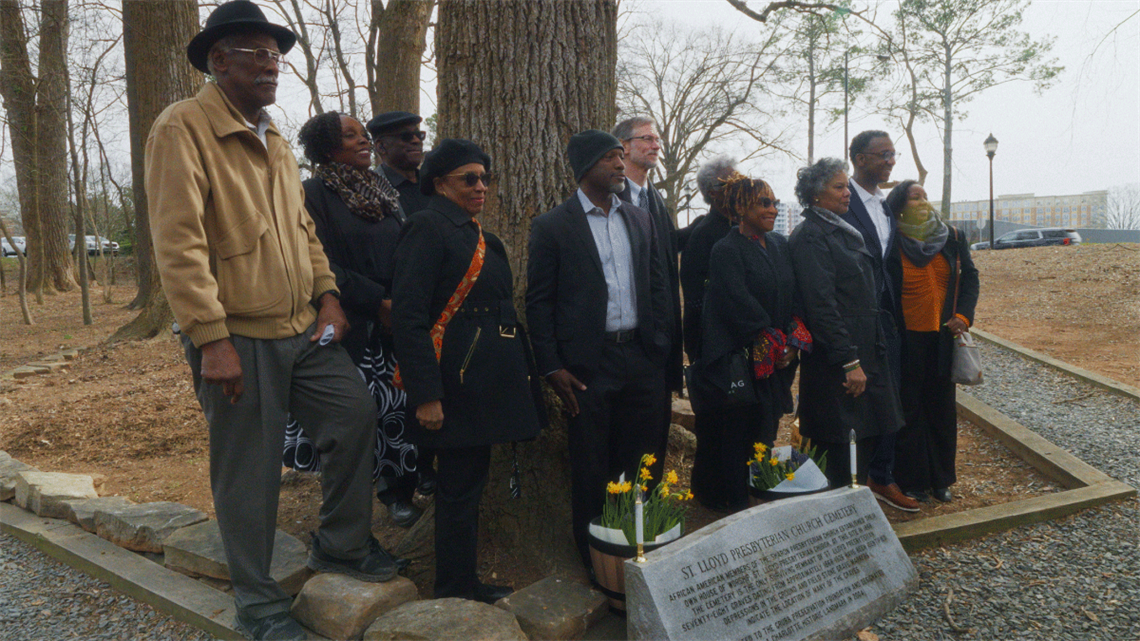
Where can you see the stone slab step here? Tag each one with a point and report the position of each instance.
(196, 550)
(46, 493)
(341, 607)
(145, 526)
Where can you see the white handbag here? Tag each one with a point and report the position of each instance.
(966, 368)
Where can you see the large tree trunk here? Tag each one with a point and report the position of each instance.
(56, 270)
(397, 37)
(547, 73)
(18, 87)
(155, 35)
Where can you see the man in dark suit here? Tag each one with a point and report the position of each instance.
(873, 157)
(642, 146)
(600, 323)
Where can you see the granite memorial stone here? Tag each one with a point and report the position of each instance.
(821, 566)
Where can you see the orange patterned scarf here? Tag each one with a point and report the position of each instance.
(454, 303)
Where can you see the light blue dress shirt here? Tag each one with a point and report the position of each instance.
(611, 236)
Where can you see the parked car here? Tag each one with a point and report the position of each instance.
(109, 246)
(21, 244)
(1033, 238)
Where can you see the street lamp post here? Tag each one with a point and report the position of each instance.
(991, 144)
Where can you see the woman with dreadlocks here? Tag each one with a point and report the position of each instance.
(748, 311)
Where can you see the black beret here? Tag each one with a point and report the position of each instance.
(390, 120)
(587, 148)
(447, 155)
(228, 18)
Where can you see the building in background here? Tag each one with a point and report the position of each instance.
(1087, 210)
(788, 215)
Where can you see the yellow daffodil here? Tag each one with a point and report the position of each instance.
(790, 475)
(645, 476)
(627, 486)
(773, 461)
(649, 459)
(644, 488)
(671, 478)
(760, 448)
(663, 490)
(689, 495)
(613, 488)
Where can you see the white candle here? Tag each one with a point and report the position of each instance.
(638, 520)
(853, 466)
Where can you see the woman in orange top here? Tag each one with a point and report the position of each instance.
(939, 291)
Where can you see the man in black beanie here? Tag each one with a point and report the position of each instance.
(600, 323)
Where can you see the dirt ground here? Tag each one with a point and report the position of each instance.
(127, 411)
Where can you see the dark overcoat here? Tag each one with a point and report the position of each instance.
(361, 254)
(694, 274)
(482, 373)
(750, 288)
(566, 290)
(887, 264)
(839, 297)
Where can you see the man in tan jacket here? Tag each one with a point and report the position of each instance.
(257, 305)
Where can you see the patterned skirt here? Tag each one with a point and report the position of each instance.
(394, 455)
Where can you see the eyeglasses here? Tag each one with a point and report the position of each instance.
(407, 136)
(264, 56)
(768, 202)
(470, 178)
(649, 138)
(885, 155)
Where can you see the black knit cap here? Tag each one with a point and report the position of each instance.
(447, 155)
(587, 148)
(390, 120)
(230, 17)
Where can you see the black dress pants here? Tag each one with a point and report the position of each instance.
(927, 445)
(619, 420)
(460, 480)
(725, 438)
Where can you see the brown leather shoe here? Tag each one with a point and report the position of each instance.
(893, 496)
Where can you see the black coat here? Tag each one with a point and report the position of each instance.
(481, 375)
(411, 198)
(694, 273)
(836, 285)
(566, 290)
(887, 265)
(667, 244)
(360, 253)
(750, 288)
(956, 247)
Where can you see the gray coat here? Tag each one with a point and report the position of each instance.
(835, 283)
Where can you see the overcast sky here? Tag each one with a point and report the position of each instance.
(1081, 135)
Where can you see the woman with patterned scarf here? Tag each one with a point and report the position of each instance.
(939, 291)
(358, 220)
(748, 309)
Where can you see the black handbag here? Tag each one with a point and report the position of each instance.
(741, 389)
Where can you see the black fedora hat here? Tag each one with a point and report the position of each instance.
(234, 16)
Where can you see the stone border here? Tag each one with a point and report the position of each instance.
(177, 595)
(45, 365)
(1092, 378)
(1085, 485)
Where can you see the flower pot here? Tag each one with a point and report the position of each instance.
(608, 560)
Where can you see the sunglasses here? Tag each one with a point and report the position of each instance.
(470, 178)
(769, 202)
(408, 136)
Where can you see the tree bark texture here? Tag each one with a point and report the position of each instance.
(21, 289)
(397, 38)
(55, 271)
(18, 87)
(158, 73)
(519, 77)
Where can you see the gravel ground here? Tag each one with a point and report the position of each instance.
(1076, 578)
(43, 599)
